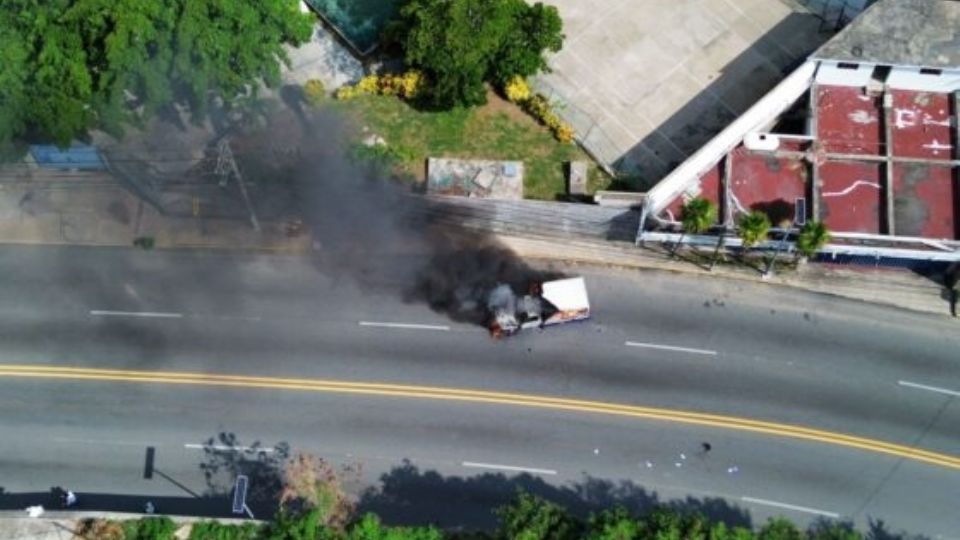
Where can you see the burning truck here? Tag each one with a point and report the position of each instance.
(548, 303)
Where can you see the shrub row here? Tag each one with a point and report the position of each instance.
(538, 106)
(407, 85)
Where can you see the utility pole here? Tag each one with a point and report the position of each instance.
(226, 166)
(783, 241)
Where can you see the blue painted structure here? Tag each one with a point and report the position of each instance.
(77, 156)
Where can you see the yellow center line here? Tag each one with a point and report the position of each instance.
(490, 397)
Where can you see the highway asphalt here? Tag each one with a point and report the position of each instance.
(655, 340)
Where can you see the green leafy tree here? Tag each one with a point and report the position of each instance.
(665, 523)
(616, 524)
(697, 216)
(779, 529)
(753, 228)
(150, 528)
(833, 530)
(214, 530)
(813, 236)
(461, 45)
(529, 517)
(536, 29)
(14, 97)
(370, 528)
(306, 526)
(75, 65)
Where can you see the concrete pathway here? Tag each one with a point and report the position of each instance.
(647, 82)
(98, 211)
(61, 525)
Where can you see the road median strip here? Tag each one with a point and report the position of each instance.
(488, 397)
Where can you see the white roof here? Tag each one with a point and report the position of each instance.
(567, 294)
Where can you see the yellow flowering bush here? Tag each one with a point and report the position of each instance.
(368, 85)
(388, 85)
(411, 83)
(538, 107)
(564, 133)
(313, 91)
(406, 86)
(517, 90)
(346, 92)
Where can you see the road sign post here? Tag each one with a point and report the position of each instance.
(240, 496)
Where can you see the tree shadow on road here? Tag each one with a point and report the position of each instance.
(226, 458)
(409, 496)
(878, 531)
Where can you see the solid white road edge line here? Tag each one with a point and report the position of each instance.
(936, 389)
(224, 448)
(704, 352)
(151, 314)
(804, 509)
(406, 326)
(511, 468)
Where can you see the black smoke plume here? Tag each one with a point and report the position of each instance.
(371, 227)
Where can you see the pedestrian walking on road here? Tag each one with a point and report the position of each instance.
(706, 447)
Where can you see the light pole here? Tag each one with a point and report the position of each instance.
(785, 225)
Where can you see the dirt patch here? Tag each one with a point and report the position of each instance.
(497, 105)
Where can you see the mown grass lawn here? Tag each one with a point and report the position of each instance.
(498, 131)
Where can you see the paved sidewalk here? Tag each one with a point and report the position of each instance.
(24, 528)
(104, 214)
(54, 525)
(889, 287)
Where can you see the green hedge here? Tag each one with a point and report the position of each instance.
(527, 518)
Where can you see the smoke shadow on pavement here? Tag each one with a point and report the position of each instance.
(370, 227)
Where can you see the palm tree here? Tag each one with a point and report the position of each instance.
(812, 237)
(697, 215)
(753, 228)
